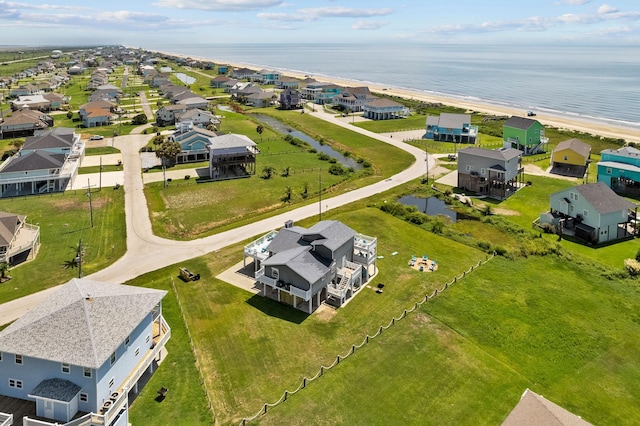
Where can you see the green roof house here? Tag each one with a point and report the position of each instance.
(524, 134)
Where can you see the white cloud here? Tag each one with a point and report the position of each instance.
(369, 25)
(605, 8)
(220, 5)
(577, 2)
(316, 13)
(16, 5)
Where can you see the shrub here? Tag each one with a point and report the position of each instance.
(336, 169)
(187, 177)
(638, 255)
(324, 157)
(632, 266)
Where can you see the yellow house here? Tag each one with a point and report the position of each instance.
(571, 158)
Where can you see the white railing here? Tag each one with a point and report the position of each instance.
(261, 277)
(26, 421)
(91, 419)
(148, 359)
(6, 419)
(306, 295)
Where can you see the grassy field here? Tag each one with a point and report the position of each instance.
(187, 210)
(63, 220)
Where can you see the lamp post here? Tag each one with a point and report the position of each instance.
(90, 205)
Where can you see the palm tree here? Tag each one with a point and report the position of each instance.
(4, 268)
(76, 262)
(260, 129)
(168, 151)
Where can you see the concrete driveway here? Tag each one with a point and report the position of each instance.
(147, 252)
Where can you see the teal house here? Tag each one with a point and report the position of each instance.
(524, 134)
(619, 169)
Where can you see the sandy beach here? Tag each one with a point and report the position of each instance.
(560, 122)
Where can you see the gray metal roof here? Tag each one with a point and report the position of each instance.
(627, 151)
(303, 262)
(603, 199)
(334, 233)
(56, 389)
(231, 140)
(619, 166)
(81, 324)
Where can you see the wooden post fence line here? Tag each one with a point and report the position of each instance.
(352, 350)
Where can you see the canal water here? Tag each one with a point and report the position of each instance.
(283, 129)
(431, 206)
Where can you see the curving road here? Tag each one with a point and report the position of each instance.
(147, 252)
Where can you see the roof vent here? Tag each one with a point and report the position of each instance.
(288, 224)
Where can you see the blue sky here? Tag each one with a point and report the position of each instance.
(151, 23)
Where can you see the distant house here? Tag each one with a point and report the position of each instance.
(242, 73)
(451, 128)
(223, 69)
(534, 409)
(97, 113)
(194, 102)
(524, 134)
(37, 102)
(384, 109)
(46, 163)
(619, 169)
(194, 141)
(198, 117)
(497, 173)
(269, 76)
(571, 158)
(83, 350)
(304, 267)
(24, 122)
(166, 114)
(353, 98)
(19, 241)
(260, 99)
(219, 81)
(591, 212)
(312, 89)
(290, 99)
(232, 156)
(287, 83)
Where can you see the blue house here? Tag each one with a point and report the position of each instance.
(451, 128)
(83, 351)
(619, 169)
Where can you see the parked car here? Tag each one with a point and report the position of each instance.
(531, 114)
(96, 138)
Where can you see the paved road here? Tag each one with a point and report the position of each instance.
(147, 252)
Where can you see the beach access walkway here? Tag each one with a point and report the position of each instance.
(147, 252)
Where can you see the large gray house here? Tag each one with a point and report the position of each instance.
(304, 267)
(497, 173)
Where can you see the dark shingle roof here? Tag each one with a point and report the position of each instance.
(48, 141)
(522, 123)
(503, 154)
(35, 160)
(603, 199)
(56, 389)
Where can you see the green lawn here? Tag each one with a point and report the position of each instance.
(467, 355)
(63, 220)
(412, 122)
(187, 210)
(96, 169)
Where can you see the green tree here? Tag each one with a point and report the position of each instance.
(139, 119)
(158, 139)
(4, 268)
(78, 251)
(286, 198)
(285, 172)
(268, 172)
(168, 151)
(260, 129)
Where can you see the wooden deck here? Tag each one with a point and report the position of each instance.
(21, 408)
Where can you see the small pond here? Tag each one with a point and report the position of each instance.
(185, 78)
(283, 129)
(431, 206)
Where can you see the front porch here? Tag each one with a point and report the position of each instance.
(289, 294)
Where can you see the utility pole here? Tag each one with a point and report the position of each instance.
(100, 176)
(79, 258)
(320, 195)
(426, 159)
(90, 205)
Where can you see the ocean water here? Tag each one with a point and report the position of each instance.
(594, 83)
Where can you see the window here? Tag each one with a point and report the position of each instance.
(468, 168)
(84, 397)
(127, 340)
(483, 171)
(18, 359)
(113, 358)
(148, 337)
(137, 351)
(275, 273)
(585, 213)
(87, 372)
(66, 368)
(566, 158)
(573, 196)
(111, 382)
(608, 170)
(13, 383)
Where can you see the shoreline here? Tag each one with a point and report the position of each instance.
(580, 124)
